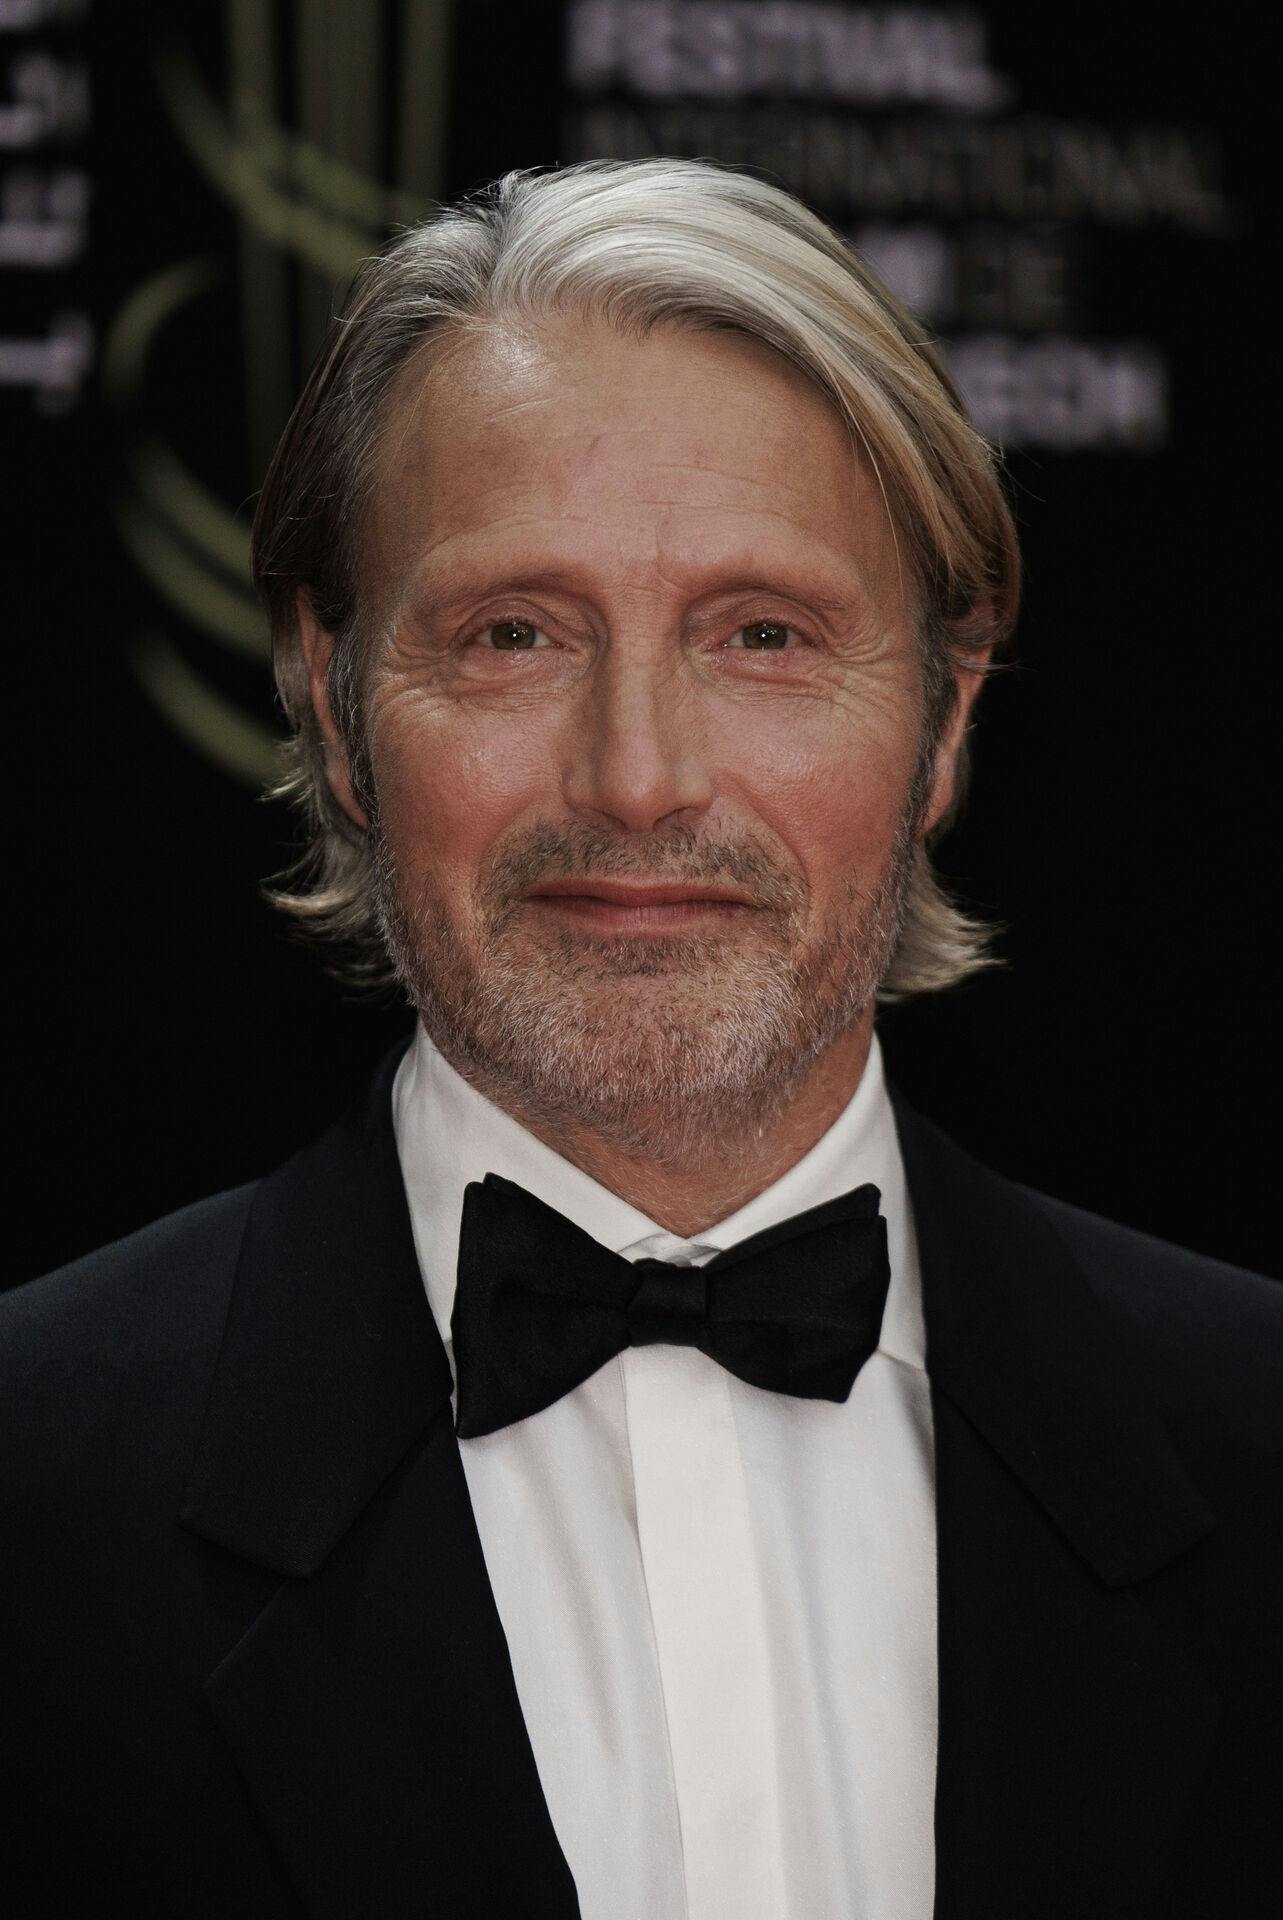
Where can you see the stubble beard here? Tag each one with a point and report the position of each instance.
(675, 1049)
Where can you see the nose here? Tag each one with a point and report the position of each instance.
(638, 756)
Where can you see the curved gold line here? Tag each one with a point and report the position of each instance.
(202, 598)
(337, 184)
(144, 313)
(231, 740)
(177, 496)
(329, 244)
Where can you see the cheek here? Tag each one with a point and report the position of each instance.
(832, 785)
(449, 783)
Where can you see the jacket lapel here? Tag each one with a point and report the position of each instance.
(371, 1705)
(1073, 1732)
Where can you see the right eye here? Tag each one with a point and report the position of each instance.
(511, 636)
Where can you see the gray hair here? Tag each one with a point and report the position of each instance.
(634, 244)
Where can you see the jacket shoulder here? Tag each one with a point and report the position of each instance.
(1209, 1335)
(104, 1363)
(1203, 1339)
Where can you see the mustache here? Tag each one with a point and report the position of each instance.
(577, 851)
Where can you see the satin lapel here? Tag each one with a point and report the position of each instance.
(1073, 1733)
(371, 1706)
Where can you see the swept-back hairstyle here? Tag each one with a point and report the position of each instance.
(635, 244)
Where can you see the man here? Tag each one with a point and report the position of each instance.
(630, 1466)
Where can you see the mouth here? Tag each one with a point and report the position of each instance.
(661, 906)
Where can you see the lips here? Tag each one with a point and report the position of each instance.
(639, 894)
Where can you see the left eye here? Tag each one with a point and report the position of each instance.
(512, 636)
(763, 636)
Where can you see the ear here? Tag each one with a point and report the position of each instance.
(318, 648)
(967, 682)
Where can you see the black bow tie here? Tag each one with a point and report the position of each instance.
(541, 1305)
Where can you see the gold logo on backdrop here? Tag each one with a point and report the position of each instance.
(311, 201)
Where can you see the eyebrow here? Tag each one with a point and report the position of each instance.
(437, 593)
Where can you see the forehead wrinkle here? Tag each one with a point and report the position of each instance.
(440, 593)
(584, 505)
(673, 550)
(799, 548)
(670, 533)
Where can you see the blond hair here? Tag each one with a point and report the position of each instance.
(635, 244)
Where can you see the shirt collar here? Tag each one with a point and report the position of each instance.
(448, 1134)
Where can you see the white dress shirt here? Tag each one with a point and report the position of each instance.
(720, 1602)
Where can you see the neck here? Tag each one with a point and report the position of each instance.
(711, 1184)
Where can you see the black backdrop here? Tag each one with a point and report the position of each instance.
(1075, 206)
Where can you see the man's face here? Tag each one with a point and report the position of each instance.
(645, 733)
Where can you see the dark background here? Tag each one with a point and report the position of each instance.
(168, 1038)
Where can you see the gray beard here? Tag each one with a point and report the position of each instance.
(675, 1049)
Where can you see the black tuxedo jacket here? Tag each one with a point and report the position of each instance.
(252, 1662)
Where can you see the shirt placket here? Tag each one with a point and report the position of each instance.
(704, 1586)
